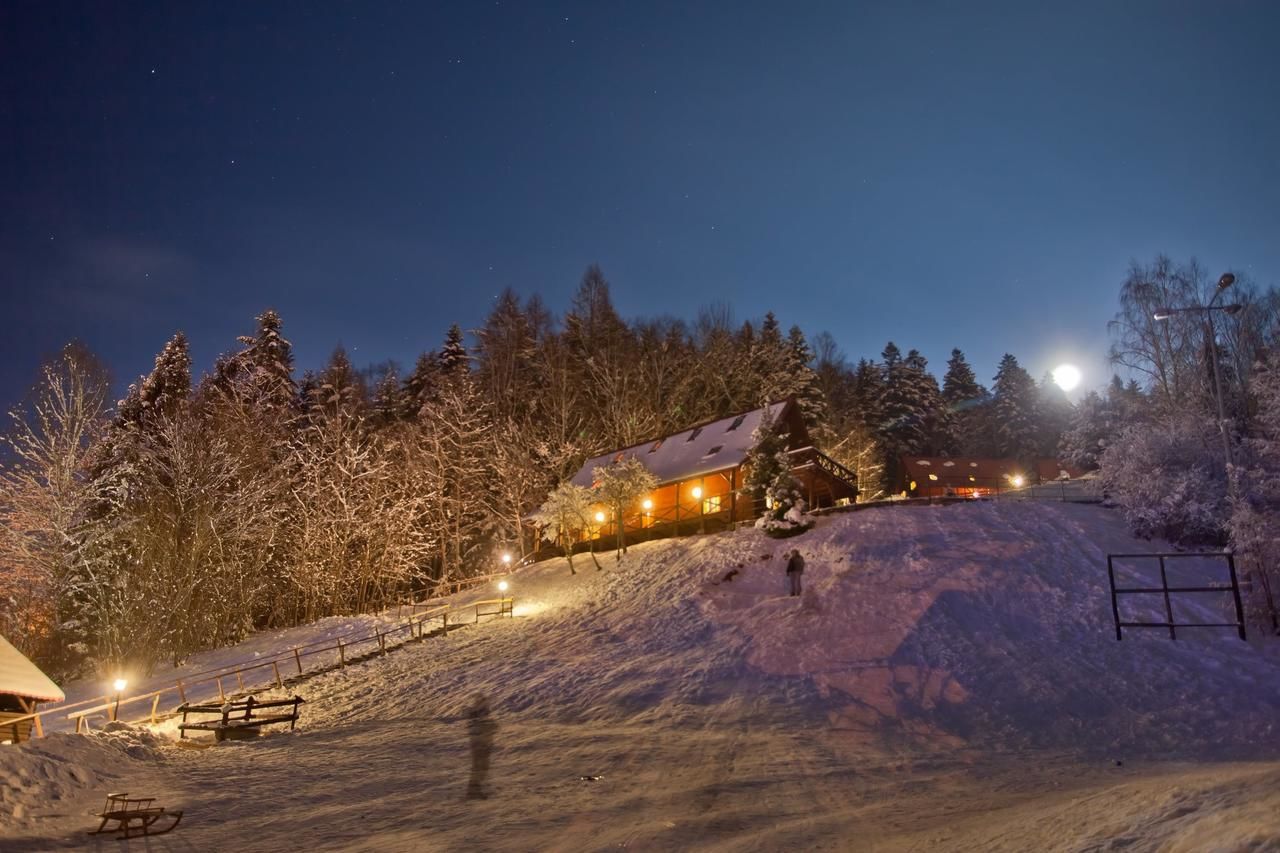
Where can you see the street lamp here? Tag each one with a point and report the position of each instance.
(1211, 343)
(119, 684)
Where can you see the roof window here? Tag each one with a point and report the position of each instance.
(737, 422)
(697, 432)
(713, 451)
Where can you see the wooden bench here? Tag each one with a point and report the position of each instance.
(134, 813)
(240, 716)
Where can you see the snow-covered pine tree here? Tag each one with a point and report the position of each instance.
(924, 390)
(1094, 425)
(620, 486)
(455, 432)
(806, 388)
(966, 401)
(1054, 416)
(771, 360)
(903, 419)
(1014, 410)
(420, 384)
(770, 483)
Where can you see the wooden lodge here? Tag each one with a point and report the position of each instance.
(700, 473)
(973, 476)
(22, 687)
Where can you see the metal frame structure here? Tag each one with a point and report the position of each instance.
(1165, 590)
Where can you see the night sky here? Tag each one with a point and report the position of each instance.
(950, 174)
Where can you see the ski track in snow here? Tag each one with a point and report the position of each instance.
(949, 680)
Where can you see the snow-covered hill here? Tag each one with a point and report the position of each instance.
(950, 678)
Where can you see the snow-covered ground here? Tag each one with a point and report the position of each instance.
(949, 680)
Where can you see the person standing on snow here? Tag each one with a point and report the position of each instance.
(795, 568)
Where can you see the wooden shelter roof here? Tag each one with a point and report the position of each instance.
(20, 677)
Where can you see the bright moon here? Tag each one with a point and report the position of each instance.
(1067, 376)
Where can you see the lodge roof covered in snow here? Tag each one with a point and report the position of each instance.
(699, 450)
(20, 677)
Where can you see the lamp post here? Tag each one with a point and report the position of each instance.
(119, 684)
(1211, 342)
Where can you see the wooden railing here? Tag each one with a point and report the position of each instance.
(273, 672)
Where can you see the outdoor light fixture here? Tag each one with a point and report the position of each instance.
(502, 586)
(1017, 481)
(506, 558)
(697, 491)
(1210, 342)
(600, 516)
(119, 684)
(933, 476)
(648, 504)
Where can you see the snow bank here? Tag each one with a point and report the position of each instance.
(68, 772)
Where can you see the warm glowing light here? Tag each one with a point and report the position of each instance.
(600, 516)
(119, 684)
(1017, 481)
(933, 476)
(648, 504)
(502, 586)
(697, 492)
(1067, 376)
(506, 558)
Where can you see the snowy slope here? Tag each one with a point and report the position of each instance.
(950, 679)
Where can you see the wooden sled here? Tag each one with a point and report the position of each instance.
(134, 817)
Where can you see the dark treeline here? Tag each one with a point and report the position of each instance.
(191, 513)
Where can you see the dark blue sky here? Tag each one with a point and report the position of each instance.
(942, 174)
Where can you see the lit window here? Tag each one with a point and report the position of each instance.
(711, 504)
(697, 432)
(737, 422)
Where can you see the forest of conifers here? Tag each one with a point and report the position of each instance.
(193, 512)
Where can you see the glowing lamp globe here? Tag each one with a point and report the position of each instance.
(506, 558)
(600, 516)
(648, 504)
(119, 684)
(1017, 481)
(502, 586)
(697, 492)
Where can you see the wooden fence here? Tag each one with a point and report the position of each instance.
(273, 672)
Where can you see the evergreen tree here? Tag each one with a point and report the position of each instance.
(923, 389)
(1054, 416)
(420, 386)
(1014, 410)
(964, 426)
(902, 428)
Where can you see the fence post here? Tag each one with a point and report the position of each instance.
(39, 728)
(221, 695)
(382, 644)
(279, 681)
(1235, 593)
(1168, 605)
(297, 658)
(182, 692)
(155, 703)
(342, 655)
(240, 680)
(1115, 607)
